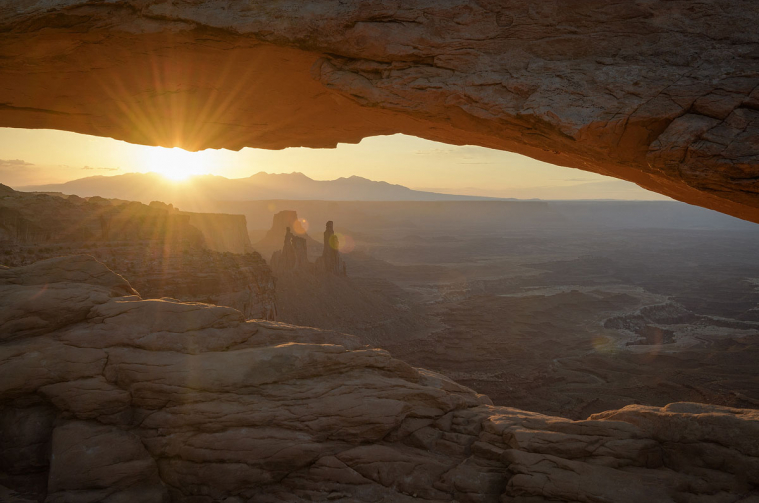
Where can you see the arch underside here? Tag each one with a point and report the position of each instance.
(661, 93)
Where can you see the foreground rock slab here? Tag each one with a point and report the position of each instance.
(124, 399)
(661, 93)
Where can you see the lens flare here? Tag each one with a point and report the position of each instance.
(602, 344)
(300, 226)
(334, 241)
(346, 243)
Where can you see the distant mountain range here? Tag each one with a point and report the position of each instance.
(147, 187)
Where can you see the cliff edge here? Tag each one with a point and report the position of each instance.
(108, 397)
(222, 232)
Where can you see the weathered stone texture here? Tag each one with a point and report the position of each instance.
(158, 401)
(158, 247)
(661, 93)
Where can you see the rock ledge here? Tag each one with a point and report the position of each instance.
(110, 398)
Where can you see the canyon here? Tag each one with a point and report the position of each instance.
(307, 294)
(53, 218)
(165, 252)
(139, 355)
(562, 308)
(109, 397)
(116, 391)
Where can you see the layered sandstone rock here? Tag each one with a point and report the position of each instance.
(313, 295)
(127, 399)
(273, 240)
(661, 93)
(157, 247)
(28, 218)
(293, 256)
(222, 233)
(241, 281)
(330, 260)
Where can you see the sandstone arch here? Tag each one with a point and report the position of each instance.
(661, 93)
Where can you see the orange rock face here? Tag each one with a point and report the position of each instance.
(661, 93)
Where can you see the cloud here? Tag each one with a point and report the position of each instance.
(14, 163)
(436, 151)
(102, 169)
(475, 162)
(16, 173)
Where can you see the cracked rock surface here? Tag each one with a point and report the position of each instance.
(664, 93)
(105, 397)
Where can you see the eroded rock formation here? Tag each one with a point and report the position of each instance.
(240, 281)
(221, 232)
(41, 219)
(661, 93)
(108, 397)
(281, 222)
(292, 255)
(307, 294)
(330, 261)
(157, 247)
(35, 218)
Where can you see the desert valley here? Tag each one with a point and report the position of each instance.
(461, 251)
(561, 308)
(564, 308)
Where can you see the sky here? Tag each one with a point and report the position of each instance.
(36, 157)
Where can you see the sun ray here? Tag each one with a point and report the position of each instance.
(174, 163)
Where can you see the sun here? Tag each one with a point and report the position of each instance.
(175, 163)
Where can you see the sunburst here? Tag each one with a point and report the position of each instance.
(175, 163)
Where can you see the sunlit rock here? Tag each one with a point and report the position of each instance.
(661, 93)
(163, 251)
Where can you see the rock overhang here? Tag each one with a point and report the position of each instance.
(663, 94)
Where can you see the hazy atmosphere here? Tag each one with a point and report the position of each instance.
(398, 159)
(236, 268)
